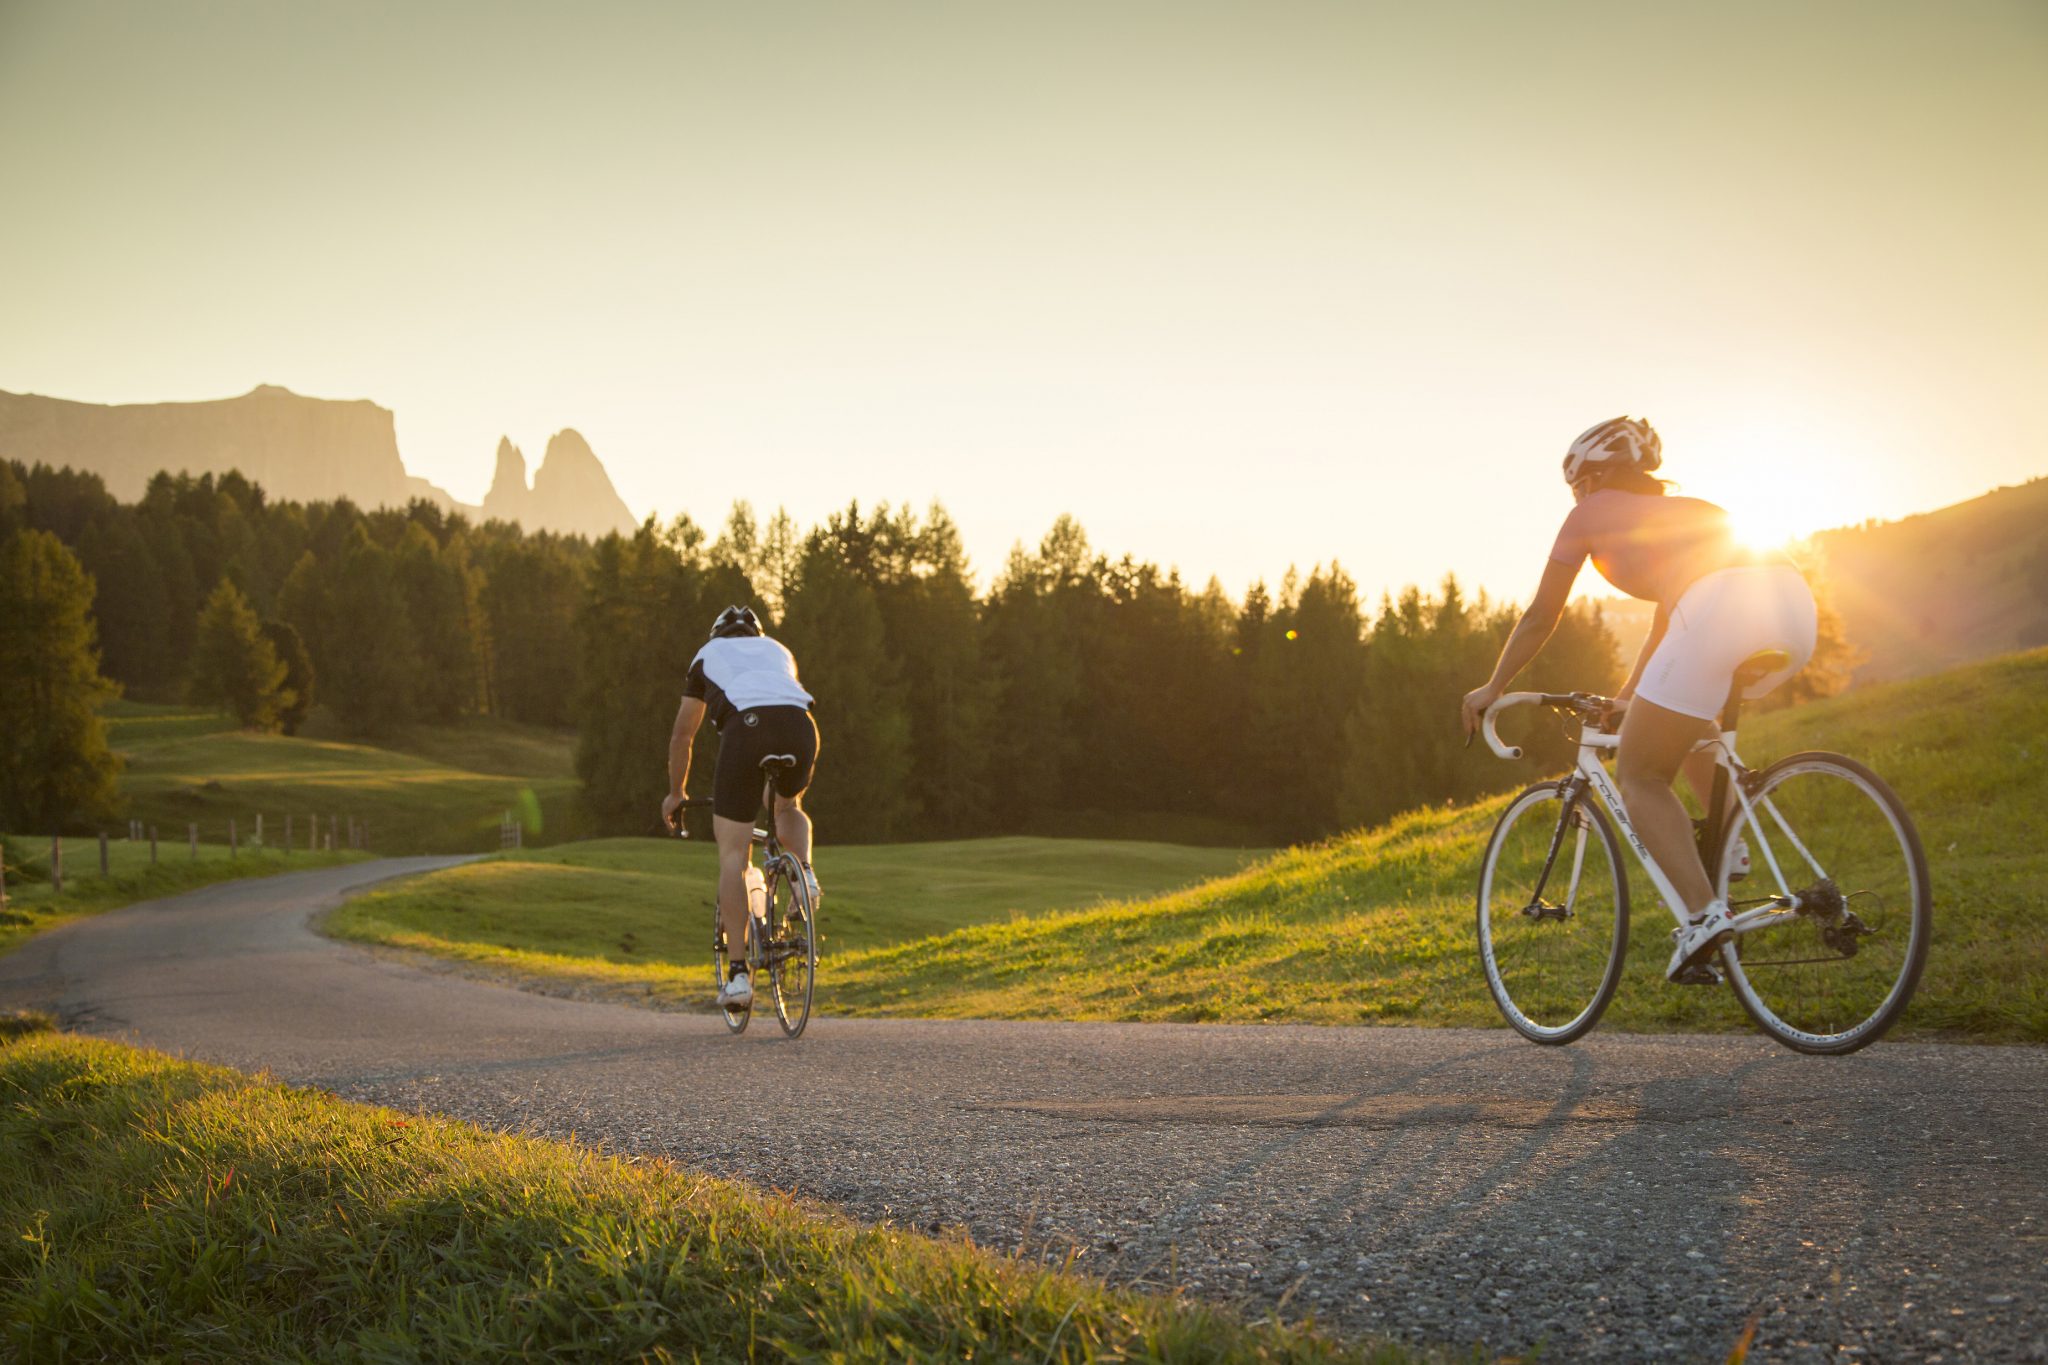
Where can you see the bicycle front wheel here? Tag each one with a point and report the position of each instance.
(1553, 914)
(793, 947)
(1832, 846)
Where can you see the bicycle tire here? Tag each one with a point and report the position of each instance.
(793, 947)
(1523, 990)
(1878, 871)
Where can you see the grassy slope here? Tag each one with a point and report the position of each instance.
(1377, 926)
(157, 1209)
(186, 766)
(639, 910)
(32, 907)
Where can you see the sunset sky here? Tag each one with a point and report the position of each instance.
(1237, 285)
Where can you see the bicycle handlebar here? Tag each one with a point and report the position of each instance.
(1486, 723)
(1585, 703)
(695, 803)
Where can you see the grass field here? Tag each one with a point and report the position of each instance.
(637, 912)
(32, 906)
(156, 1209)
(1377, 927)
(444, 794)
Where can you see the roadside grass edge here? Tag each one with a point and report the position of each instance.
(165, 1209)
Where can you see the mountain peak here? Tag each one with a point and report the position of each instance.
(571, 484)
(508, 496)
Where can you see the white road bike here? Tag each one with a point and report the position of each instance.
(1816, 857)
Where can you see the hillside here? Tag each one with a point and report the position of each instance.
(1964, 582)
(186, 767)
(298, 449)
(1376, 927)
(1927, 592)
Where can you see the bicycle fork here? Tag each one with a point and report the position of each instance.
(1539, 909)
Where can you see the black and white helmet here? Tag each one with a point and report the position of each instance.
(735, 621)
(1629, 442)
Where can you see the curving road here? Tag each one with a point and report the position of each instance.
(1628, 1198)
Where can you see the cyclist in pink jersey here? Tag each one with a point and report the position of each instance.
(1717, 605)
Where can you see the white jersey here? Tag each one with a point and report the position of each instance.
(740, 672)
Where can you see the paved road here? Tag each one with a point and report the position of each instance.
(1624, 1199)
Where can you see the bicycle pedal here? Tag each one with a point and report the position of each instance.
(1699, 974)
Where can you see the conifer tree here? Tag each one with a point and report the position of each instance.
(234, 667)
(298, 674)
(56, 771)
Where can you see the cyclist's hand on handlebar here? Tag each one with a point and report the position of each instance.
(1610, 719)
(1474, 708)
(670, 815)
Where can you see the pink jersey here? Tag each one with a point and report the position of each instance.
(1650, 547)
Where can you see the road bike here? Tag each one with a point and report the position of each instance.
(782, 921)
(1819, 863)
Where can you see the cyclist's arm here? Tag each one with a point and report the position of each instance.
(1530, 633)
(681, 740)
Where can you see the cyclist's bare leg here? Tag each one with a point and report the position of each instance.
(1654, 744)
(735, 848)
(793, 826)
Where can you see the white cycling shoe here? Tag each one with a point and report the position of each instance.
(1698, 941)
(811, 885)
(736, 994)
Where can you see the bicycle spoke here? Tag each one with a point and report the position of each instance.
(1551, 965)
(1833, 969)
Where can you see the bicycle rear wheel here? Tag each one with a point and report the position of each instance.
(1553, 914)
(1836, 844)
(792, 947)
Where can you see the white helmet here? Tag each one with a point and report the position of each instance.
(1626, 441)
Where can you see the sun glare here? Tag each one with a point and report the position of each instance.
(1780, 477)
(1769, 523)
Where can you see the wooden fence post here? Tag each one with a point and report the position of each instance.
(287, 834)
(152, 845)
(103, 853)
(192, 834)
(56, 864)
(259, 832)
(231, 836)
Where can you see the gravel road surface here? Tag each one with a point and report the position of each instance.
(1627, 1198)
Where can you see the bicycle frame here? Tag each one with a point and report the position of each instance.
(1590, 774)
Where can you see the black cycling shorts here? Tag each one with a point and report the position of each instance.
(751, 736)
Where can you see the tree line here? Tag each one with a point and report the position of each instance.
(1076, 693)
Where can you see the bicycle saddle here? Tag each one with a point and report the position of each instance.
(1761, 664)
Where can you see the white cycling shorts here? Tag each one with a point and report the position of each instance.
(1718, 623)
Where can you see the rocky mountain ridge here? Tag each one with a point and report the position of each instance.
(300, 449)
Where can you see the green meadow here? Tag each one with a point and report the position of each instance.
(154, 1209)
(1372, 927)
(440, 789)
(636, 913)
(1377, 926)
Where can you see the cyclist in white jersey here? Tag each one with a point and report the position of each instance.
(746, 682)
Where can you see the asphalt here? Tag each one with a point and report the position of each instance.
(1627, 1198)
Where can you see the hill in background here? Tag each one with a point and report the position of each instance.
(298, 449)
(1948, 586)
(1927, 592)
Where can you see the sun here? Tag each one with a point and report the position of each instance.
(1780, 481)
(1770, 520)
